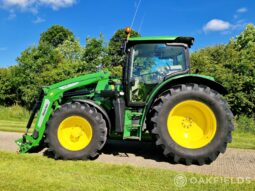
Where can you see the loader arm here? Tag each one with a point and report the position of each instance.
(52, 96)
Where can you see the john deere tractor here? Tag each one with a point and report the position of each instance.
(185, 113)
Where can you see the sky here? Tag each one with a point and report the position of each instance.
(210, 22)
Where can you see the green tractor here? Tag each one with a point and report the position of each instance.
(184, 113)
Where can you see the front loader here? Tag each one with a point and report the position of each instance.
(185, 113)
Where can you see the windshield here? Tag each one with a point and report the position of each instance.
(152, 62)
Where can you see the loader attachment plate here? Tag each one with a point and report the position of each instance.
(25, 143)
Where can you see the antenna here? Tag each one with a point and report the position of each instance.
(141, 24)
(137, 8)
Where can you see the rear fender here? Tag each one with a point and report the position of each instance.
(181, 79)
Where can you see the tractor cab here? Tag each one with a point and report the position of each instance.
(151, 60)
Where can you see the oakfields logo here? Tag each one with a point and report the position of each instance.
(181, 180)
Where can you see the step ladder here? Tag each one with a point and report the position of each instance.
(132, 126)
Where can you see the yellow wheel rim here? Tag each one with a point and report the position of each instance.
(74, 133)
(191, 124)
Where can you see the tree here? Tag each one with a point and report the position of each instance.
(7, 90)
(71, 50)
(94, 53)
(114, 47)
(31, 64)
(233, 65)
(56, 35)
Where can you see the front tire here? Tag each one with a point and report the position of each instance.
(76, 132)
(192, 124)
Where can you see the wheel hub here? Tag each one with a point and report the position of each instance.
(191, 124)
(187, 122)
(74, 133)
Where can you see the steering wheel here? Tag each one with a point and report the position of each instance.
(150, 73)
(152, 78)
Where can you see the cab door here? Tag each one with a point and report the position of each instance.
(149, 64)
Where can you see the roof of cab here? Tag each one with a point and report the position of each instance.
(175, 39)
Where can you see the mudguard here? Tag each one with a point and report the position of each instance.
(181, 79)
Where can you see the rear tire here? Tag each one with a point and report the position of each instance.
(76, 132)
(202, 104)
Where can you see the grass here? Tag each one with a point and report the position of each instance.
(244, 124)
(13, 119)
(12, 126)
(13, 113)
(33, 172)
(243, 140)
(244, 134)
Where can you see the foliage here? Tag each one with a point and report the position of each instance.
(116, 55)
(33, 62)
(57, 57)
(7, 91)
(115, 43)
(95, 53)
(233, 65)
(71, 50)
(56, 35)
